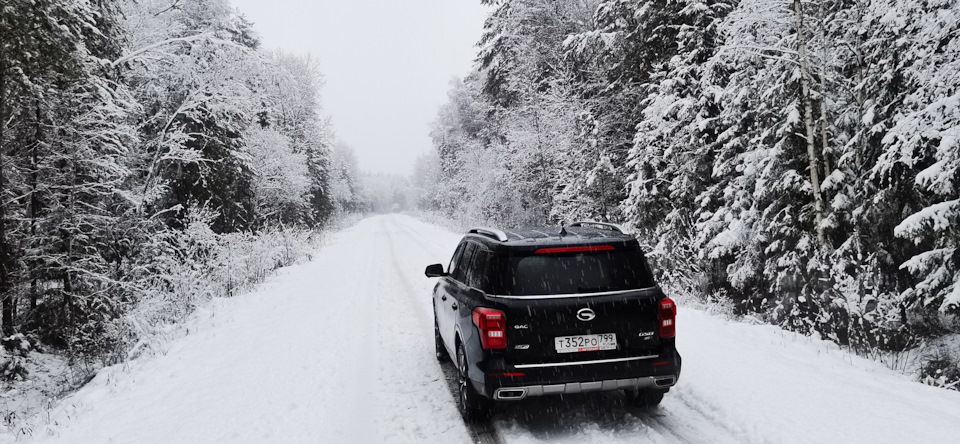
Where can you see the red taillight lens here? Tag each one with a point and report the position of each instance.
(575, 249)
(492, 325)
(668, 318)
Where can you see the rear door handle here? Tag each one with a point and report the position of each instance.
(454, 306)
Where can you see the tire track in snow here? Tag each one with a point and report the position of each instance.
(657, 421)
(438, 247)
(482, 433)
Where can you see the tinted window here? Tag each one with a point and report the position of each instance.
(456, 257)
(463, 265)
(477, 277)
(566, 273)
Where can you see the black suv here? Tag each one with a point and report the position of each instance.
(545, 311)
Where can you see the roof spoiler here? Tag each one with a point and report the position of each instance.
(601, 225)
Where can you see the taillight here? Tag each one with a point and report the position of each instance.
(668, 317)
(492, 325)
(575, 249)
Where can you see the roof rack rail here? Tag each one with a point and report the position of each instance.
(606, 225)
(492, 232)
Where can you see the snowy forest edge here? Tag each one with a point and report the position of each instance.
(152, 157)
(796, 162)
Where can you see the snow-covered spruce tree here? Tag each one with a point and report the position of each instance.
(675, 147)
(875, 180)
(757, 222)
(91, 138)
(23, 34)
(864, 92)
(34, 54)
(921, 149)
(618, 60)
(74, 138)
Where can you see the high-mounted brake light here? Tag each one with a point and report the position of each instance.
(492, 325)
(575, 249)
(667, 316)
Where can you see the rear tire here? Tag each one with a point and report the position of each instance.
(644, 399)
(442, 355)
(473, 407)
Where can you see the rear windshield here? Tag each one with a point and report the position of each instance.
(568, 273)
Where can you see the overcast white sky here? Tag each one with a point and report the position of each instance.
(387, 64)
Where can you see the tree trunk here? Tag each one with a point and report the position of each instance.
(827, 169)
(861, 287)
(5, 288)
(71, 223)
(824, 122)
(34, 200)
(808, 123)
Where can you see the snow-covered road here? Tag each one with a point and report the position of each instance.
(340, 350)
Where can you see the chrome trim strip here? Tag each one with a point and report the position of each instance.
(571, 295)
(497, 234)
(645, 382)
(598, 361)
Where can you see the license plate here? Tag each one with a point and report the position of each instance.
(585, 343)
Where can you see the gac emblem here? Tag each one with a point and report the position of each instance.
(586, 314)
(521, 327)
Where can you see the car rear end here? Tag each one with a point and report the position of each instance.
(574, 318)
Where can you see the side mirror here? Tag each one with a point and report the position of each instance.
(435, 270)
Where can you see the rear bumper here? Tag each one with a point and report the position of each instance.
(500, 380)
(648, 382)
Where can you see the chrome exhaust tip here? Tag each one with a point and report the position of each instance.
(665, 382)
(511, 394)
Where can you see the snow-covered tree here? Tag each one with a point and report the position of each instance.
(281, 179)
(345, 187)
(125, 124)
(797, 157)
(921, 147)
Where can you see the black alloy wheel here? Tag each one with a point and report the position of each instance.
(472, 406)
